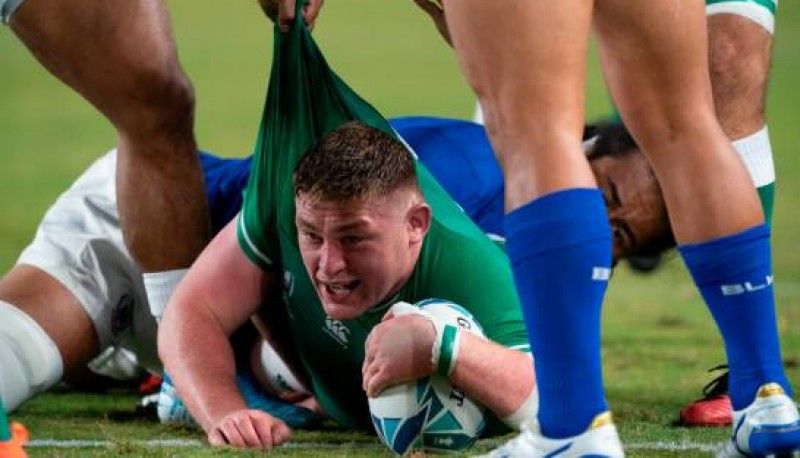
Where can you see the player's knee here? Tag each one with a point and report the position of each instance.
(30, 360)
(736, 63)
(163, 109)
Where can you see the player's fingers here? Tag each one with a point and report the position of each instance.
(280, 433)
(230, 434)
(248, 432)
(367, 372)
(374, 382)
(388, 315)
(264, 431)
(311, 11)
(285, 14)
(217, 438)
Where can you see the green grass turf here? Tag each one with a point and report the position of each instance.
(658, 338)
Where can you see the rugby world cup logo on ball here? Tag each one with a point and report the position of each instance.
(430, 413)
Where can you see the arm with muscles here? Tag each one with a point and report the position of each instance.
(402, 347)
(221, 291)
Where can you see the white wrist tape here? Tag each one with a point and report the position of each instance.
(444, 351)
(445, 348)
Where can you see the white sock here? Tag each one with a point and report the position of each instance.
(159, 287)
(30, 361)
(756, 153)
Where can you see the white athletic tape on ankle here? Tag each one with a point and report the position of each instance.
(29, 359)
(159, 287)
(756, 153)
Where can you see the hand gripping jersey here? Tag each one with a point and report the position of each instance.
(457, 261)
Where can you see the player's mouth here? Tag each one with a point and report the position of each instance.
(338, 291)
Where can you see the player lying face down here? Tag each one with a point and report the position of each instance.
(361, 220)
(362, 238)
(69, 325)
(459, 155)
(631, 192)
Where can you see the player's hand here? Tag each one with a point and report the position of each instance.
(435, 10)
(249, 429)
(398, 350)
(283, 12)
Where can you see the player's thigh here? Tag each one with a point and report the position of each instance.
(739, 59)
(526, 57)
(526, 60)
(55, 309)
(119, 54)
(654, 56)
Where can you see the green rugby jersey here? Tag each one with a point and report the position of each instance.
(457, 262)
(305, 100)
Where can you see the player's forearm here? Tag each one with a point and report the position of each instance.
(198, 357)
(218, 295)
(495, 376)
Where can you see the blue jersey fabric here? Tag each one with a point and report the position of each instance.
(225, 181)
(456, 152)
(459, 155)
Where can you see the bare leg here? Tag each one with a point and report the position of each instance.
(658, 74)
(59, 314)
(739, 57)
(528, 73)
(120, 55)
(526, 61)
(656, 61)
(740, 51)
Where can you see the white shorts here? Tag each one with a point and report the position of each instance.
(762, 12)
(79, 243)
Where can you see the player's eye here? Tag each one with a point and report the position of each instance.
(351, 240)
(312, 238)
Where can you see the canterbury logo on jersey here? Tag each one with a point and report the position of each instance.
(338, 331)
(736, 289)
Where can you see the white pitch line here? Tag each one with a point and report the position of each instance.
(108, 444)
(191, 443)
(178, 443)
(673, 446)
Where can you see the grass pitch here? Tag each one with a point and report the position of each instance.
(658, 337)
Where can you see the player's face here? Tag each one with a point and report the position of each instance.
(357, 254)
(635, 206)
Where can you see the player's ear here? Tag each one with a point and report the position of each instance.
(419, 221)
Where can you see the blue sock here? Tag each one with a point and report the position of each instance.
(560, 249)
(734, 276)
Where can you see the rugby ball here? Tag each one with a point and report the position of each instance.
(274, 374)
(431, 413)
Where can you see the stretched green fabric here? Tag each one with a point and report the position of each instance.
(305, 101)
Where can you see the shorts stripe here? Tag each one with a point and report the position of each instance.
(772, 6)
(762, 12)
